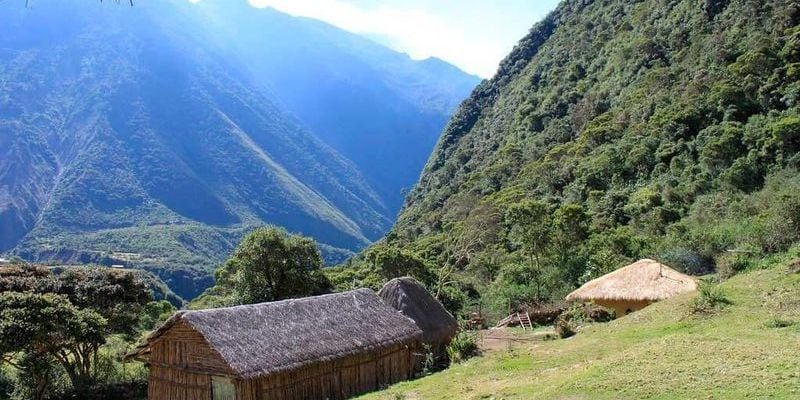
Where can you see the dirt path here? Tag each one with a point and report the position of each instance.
(505, 338)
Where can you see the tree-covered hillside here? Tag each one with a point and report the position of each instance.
(616, 129)
(141, 136)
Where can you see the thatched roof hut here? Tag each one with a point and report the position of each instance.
(410, 298)
(332, 346)
(635, 286)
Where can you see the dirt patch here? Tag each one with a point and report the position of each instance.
(505, 338)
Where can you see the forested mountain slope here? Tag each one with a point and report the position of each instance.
(130, 135)
(616, 129)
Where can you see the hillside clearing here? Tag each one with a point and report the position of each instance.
(661, 352)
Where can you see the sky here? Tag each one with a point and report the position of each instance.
(474, 35)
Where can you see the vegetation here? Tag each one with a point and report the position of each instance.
(709, 298)
(268, 265)
(614, 131)
(62, 334)
(661, 352)
(463, 347)
(167, 148)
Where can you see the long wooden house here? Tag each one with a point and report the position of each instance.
(326, 347)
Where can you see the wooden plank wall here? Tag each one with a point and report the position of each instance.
(181, 365)
(173, 384)
(338, 379)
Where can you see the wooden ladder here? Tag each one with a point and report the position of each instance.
(525, 321)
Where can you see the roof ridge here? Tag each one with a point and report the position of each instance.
(273, 303)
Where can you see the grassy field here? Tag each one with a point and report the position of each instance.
(749, 349)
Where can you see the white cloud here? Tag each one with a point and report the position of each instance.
(411, 30)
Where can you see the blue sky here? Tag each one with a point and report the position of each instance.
(472, 34)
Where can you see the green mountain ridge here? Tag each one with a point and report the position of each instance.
(615, 130)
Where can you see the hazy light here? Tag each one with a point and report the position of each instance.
(471, 34)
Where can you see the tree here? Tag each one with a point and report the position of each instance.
(570, 229)
(391, 262)
(530, 225)
(118, 296)
(270, 264)
(93, 303)
(38, 328)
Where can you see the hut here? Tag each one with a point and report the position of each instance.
(412, 300)
(634, 287)
(326, 347)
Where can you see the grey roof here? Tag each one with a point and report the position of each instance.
(260, 339)
(413, 300)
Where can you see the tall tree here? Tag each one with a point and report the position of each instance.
(270, 264)
(530, 228)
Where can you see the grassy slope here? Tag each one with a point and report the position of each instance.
(661, 352)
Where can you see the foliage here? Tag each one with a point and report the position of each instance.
(778, 323)
(659, 354)
(270, 264)
(568, 323)
(565, 328)
(65, 321)
(463, 347)
(710, 297)
(617, 131)
(37, 329)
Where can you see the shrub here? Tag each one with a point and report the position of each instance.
(730, 264)
(6, 385)
(565, 328)
(135, 390)
(429, 365)
(710, 298)
(778, 323)
(579, 313)
(688, 261)
(463, 347)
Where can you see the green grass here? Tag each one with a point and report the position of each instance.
(662, 352)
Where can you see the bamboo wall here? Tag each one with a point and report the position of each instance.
(334, 380)
(181, 365)
(175, 384)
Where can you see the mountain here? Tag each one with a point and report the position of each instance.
(616, 130)
(373, 105)
(134, 136)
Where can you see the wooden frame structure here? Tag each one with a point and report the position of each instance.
(325, 347)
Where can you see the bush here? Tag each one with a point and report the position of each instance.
(463, 347)
(730, 264)
(710, 298)
(688, 261)
(565, 328)
(135, 390)
(778, 323)
(6, 385)
(580, 313)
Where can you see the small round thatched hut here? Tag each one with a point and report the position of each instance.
(410, 298)
(634, 287)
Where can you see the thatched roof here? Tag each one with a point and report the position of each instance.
(644, 280)
(260, 339)
(410, 298)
